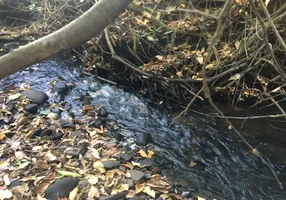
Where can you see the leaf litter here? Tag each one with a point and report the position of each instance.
(32, 162)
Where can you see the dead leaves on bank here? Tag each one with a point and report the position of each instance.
(31, 163)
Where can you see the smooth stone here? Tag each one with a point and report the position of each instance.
(61, 188)
(148, 175)
(147, 162)
(31, 108)
(83, 184)
(135, 198)
(75, 152)
(61, 87)
(103, 112)
(136, 175)
(143, 139)
(123, 169)
(46, 132)
(37, 97)
(118, 196)
(126, 157)
(36, 133)
(110, 164)
(130, 183)
(56, 136)
(65, 124)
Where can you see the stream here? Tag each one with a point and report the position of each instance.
(222, 167)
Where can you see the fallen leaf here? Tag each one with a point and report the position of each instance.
(200, 59)
(200, 198)
(149, 191)
(5, 194)
(192, 164)
(99, 167)
(2, 136)
(14, 96)
(73, 193)
(69, 174)
(93, 192)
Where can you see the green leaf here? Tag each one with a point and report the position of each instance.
(69, 174)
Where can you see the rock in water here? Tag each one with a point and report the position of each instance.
(61, 188)
(37, 97)
(143, 139)
(31, 108)
(103, 112)
(61, 87)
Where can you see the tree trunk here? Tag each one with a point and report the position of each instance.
(91, 23)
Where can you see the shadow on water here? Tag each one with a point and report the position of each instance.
(222, 166)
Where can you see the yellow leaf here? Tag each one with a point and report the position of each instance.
(93, 192)
(200, 59)
(143, 153)
(73, 193)
(99, 167)
(150, 153)
(2, 136)
(139, 188)
(192, 164)
(235, 77)
(149, 191)
(131, 193)
(200, 198)
(128, 165)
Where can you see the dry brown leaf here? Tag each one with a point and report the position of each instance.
(149, 191)
(139, 187)
(93, 192)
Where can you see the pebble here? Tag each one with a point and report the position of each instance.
(135, 198)
(147, 162)
(65, 124)
(75, 152)
(61, 87)
(126, 157)
(61, 188)
(136, 175)
(36, 133)
(37, 97)
(143, 139)
(110, 164)
(103, 112)
(46, 132)
(31, 108)
(83, 184)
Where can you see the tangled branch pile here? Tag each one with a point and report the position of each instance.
(165, 46)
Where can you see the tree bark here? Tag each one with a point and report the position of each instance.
(91, 23)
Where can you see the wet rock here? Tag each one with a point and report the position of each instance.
(148, 175)
(31, 108)
(118, 196)
(36, 133)
(61, 87)
(56, 136)
(130, 183)
(136, 175)
(123, 169)
(61, 188)
(46, 132)
(75, 152)
(37, 97)
(116, 135)
(10, 46)
(78, 133)
(110, 164)
(126, 157)
(65, 124)
(147, 162)
(136, 198)
(102, 112)
(83, 184)
(143, 139)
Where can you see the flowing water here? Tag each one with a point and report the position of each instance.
(222, 166)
